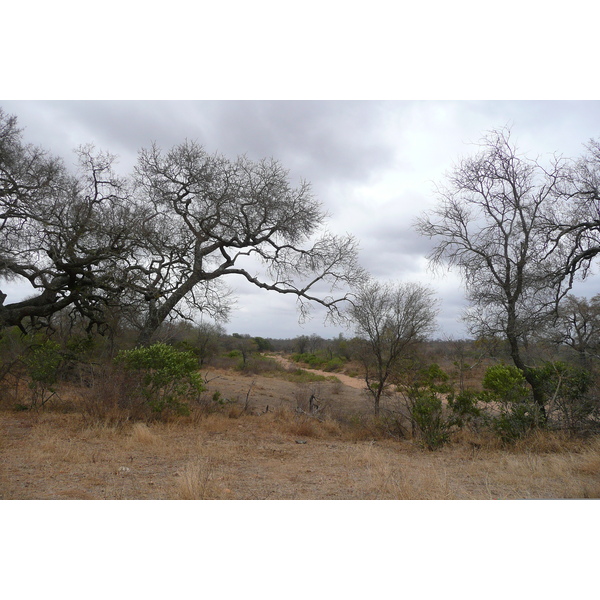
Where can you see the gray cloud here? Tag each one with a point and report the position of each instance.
(319, 141)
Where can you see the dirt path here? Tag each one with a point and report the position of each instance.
(352, 382)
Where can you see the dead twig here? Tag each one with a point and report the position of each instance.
(247, 402)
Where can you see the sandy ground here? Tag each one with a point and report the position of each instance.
(348, 381)
(346, 396)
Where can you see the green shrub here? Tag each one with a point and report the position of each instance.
(320, 360)
(13, 346)
(464, 407)
(422, 391)
(571, 397)
(516, 421)
(302, 376)
(308, 358)
(516, 412)
(335, 364)
(505, 383)
(427, 413)
(169, 379)
(34, 360)
(42, 365)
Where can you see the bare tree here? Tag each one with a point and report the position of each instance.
(578, 326)
(218, 218)
(491, 223)
(207, 339)
(301, 344)
(467, 355)
(574, 222)
(390, 320)
(162, 244)
(63, 233)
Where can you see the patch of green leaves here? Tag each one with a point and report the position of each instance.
(427, 412)
(169, 379)
(42, 363)
(516, 414)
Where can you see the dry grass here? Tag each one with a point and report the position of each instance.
(590, 464)
(279, 454)
(244, 451)
(142, 434)
(394, 479)
(302, 425)
(197, 481)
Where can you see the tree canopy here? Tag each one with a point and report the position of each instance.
(390, 320)
(160, 242)
(518, 231)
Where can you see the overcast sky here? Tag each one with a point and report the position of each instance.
(372, 164)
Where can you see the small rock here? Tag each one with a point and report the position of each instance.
(300, 441)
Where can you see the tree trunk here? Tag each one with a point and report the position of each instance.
(539, 397)
(158, 313)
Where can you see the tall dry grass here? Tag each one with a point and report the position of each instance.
(142, 434)
(556, 469)
(197, 481)
(63, 455)
(301, 424)
(396, 478)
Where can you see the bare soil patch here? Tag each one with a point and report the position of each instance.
(346, 396)
(346, 380)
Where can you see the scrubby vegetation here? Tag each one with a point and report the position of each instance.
(321, 360)
(442, 409)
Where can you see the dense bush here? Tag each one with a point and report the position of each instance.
(42, 363)
(515, 412)
(321, 360)
(464, 407)
(505, 383)
(422, 391)
(427, 413)
(572, 399)
(168, 379)
(35, 360)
